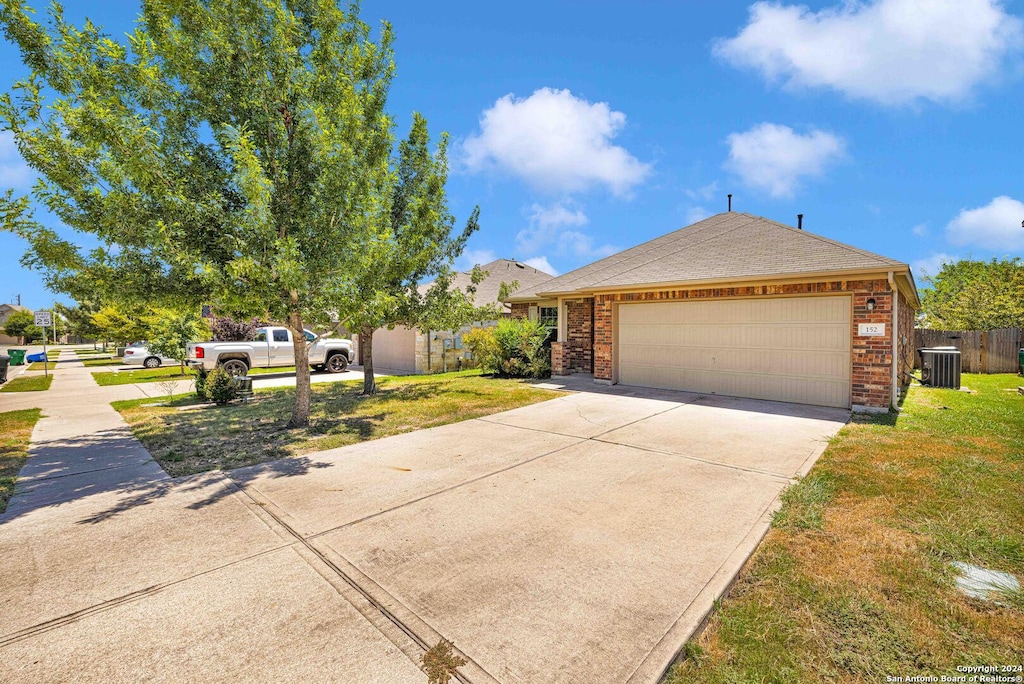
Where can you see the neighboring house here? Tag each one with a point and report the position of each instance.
(5, 311)
(430, 351)
(738, 305)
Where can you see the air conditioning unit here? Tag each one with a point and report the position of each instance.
(940, 366)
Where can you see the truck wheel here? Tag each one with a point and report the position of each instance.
(337, 363)
(235, 367)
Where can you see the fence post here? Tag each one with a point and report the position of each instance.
(984, 351)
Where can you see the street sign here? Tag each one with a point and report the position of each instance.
(44, 319)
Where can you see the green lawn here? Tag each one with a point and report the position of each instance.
(22, 383)
(141, 375)
(15, 434)
(852, 583)
(89, 363)
(192, 441)
(264, 371)
(38, 366)
(90, 352)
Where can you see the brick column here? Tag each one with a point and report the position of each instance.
(560, 358)
(602, 339)
(872, 356)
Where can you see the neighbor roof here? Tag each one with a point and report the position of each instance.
(501, 271)
(729, 246)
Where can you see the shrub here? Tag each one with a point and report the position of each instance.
(516, 348)
(218, 386)
(200, 382)
(483, 345)
(227, 329)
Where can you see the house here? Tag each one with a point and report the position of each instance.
(409, 350)
(5, 311)
(737, 305)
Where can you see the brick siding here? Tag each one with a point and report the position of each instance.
(580, 338)
(871, 356)
(520, 310)
(905, 340)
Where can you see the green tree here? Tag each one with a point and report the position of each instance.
(227, 154)
(410, 241)
(976, 295)
(22, 324)
(122, 324)
(78, 319)
(173, 330)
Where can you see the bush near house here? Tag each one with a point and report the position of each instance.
(515, 348)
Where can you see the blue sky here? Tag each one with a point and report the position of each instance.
(584, 128)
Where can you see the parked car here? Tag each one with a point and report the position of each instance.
(138, 354)
(271, 347)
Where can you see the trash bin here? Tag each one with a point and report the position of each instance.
(17, 356)
(243, 385)
(5, 361)
(36, 358)
(1020, 357)
(119, 352)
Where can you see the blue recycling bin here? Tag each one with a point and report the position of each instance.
(36, 358)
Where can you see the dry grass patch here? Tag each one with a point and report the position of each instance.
(207, 438)
(852, 583)
(15, 435)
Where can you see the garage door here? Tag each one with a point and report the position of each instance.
(394, 349)
(790, 349)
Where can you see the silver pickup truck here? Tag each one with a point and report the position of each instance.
(270, 347)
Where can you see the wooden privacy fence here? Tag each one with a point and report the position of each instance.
(988, 351)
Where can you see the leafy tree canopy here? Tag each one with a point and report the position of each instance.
(227, 153)
(976, 295)
(22, 324)
(410, 241)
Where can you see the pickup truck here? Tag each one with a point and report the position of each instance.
(270, 347)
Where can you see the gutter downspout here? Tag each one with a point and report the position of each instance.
(894, 394)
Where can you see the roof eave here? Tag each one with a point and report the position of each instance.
(880, 271)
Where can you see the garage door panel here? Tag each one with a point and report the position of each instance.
(787, 349)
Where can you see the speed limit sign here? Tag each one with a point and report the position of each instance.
(44, 319)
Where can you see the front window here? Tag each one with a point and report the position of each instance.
(280, 335)
(548, 317)
(309, 336)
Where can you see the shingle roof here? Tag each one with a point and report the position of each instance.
(732, 245)
(500, 271)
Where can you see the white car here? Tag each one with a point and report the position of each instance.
(138, 354)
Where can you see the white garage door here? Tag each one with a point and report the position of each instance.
(394, 349)
(789, 349)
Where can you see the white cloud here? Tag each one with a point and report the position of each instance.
(888, 51)
(774, 158)
(14, 172)
(694, 214)
(931, 265)
(995, 226)
(474, 257)
(704, 193)
(555, 227)
(556, 142)
(541, 263)
(920, 230)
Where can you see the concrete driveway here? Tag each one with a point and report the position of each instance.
(582, 539)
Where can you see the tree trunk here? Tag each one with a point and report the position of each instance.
(303, 393)
(366, 349)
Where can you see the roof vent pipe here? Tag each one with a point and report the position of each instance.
(730, 201)
(799, 221)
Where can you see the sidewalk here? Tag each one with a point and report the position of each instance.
(115, 572)
(81, 444)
